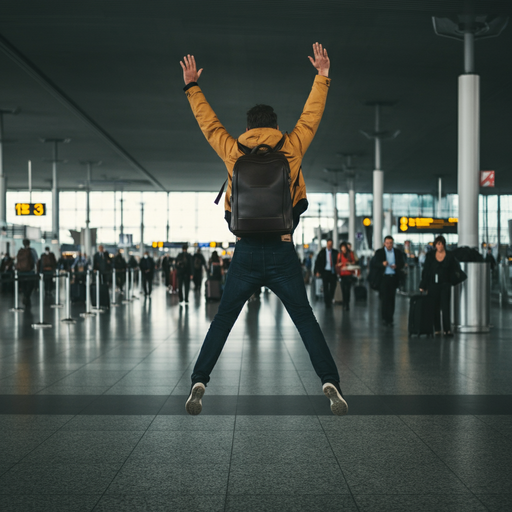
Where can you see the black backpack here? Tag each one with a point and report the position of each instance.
(261, 202)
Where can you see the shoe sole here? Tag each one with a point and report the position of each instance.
(338, 405)
(194, 405)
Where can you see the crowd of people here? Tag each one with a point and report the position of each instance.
(386, 273)
(177, 272)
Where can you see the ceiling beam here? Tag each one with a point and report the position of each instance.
(29, 67)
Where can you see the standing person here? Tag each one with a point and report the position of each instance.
(25, 265)
(7, 273)
(215, 271)
(147, 267)
(120, 265)
(47, 266)
(166, 270)
(184, 269)
(265, 260)
(199, 263)
(325, 267)
(345, 258)
(437, 278)
(102, 262)
(388, 264)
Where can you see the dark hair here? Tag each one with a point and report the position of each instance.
(389, 237)
(215, 257)
(184, 247)
(261, 116)
(46, 248)
(344, 244)
(329, 240)
(440, 238)
(26, 242)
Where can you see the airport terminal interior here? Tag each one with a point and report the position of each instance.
(107, 190)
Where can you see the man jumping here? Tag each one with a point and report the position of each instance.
(268, 260)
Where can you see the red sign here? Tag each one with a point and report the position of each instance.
(487, 178)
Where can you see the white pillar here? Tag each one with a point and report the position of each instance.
(3, 179)
(335, 241)
(351, 213)
(440, 197)
(469, 159)
(141, 229)
(378, 195)
(55, 196)
(88, 241)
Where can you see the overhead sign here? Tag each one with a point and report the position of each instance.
(487, 178)
(36, 209)
(427, 225)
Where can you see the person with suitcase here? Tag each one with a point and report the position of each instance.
(345, 260)
(25, 265)
(440, 270)
(214, 281)
(264, 254)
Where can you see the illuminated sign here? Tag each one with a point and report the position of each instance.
(367, 222)
(36, 209)
(427, 225)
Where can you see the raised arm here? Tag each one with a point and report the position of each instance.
(305, 129)
(215, 133)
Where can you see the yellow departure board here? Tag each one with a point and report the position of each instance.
(427, 225)
(36, 209)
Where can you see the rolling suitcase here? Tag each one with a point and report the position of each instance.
(174, 281)
(213, 290)
(421, 316)
(338, 298)
(360, 293)
(104, 296)
(77, 292)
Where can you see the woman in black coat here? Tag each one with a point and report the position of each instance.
(438, 275)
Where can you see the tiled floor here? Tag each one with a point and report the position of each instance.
(92, 415)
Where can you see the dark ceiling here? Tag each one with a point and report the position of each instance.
(118, 61)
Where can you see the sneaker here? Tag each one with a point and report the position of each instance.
(194, 405)
(182, 303)
(333, 392)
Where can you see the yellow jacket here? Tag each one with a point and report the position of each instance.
(295, 145)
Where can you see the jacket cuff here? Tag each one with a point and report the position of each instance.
(323, 79)
(189, 85)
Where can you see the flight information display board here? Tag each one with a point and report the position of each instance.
(427, 225)
(25, 209)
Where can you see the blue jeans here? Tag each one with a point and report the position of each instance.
(272, 263)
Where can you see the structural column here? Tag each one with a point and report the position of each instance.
(378, 174)
(88, 238)
(351, 213)
(55, 187)
(335, 237)
(469, 158)
(3, 178)
(141, 229)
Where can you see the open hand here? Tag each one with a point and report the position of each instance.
(321, 61)
(190, 73)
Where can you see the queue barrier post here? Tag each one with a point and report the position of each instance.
(57, 291)
(132, 285)
(16, 307)
(127, 291)
(88, 311)
(41, 324)
(113, 301)
(98, 308)
(68, 319)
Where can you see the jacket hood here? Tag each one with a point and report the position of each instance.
(257, 136)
